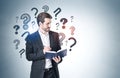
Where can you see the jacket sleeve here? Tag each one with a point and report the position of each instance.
(58, 43)
(31, 53)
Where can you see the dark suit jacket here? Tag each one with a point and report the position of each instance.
(34, 53)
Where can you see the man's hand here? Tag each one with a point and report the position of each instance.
(57, 59)
(47, 48)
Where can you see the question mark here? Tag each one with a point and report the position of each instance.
(62, 37)
(35, 10)
(66, 42)
(33, 23)
(64, 20)
(58, 10)
(17, 43)
(72, 18)
(72, 38)
(16, 27)
(21, 52)
(46, 8)
(17, 18)
(26, 18)
(72, 28)
(57, 26)
(24, 34)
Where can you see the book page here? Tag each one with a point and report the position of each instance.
(61, 50)
(51, 51)
(51, 54)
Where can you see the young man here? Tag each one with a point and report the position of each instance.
(37, 44)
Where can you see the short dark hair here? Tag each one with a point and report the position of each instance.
(41, 16)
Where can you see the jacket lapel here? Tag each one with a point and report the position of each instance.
(51, 39)
(38, 40)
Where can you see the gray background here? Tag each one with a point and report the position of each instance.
(96, 53)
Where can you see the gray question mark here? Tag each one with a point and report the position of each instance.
(46, 8)
(72, 18)
(33, 23)
(58, 10)
(24, 34)
(21, 52)
(17, 18)
(35, 10)
(17, 43)
(57, 26)
(26, 17)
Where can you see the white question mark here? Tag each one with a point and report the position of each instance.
(62, 37)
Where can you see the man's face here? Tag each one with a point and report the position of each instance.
(46, 25)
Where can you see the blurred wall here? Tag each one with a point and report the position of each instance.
(96, 53)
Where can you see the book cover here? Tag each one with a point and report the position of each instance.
(51, 54)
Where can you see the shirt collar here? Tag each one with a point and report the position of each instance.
(42, 32)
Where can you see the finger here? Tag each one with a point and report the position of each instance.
(55, 59)
(59, 57)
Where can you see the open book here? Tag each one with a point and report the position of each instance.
(51, 54)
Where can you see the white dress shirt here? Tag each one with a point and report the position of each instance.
(46, 42)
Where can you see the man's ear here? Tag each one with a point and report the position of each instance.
(40, 23)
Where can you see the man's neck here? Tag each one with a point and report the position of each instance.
(43, 32)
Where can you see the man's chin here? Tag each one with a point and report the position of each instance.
(47, 30)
